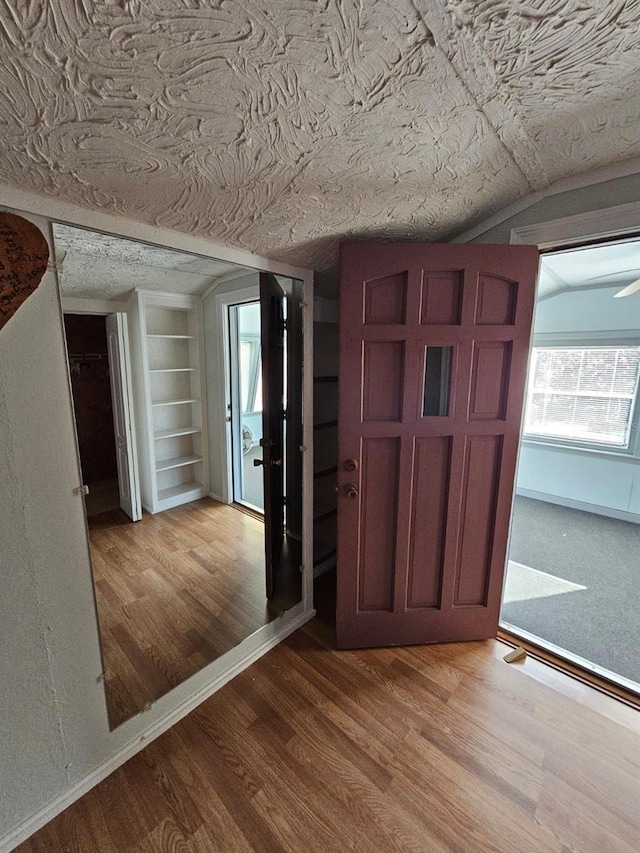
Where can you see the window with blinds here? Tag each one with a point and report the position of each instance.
(583, 394)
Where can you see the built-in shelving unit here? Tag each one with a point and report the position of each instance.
(169, 338)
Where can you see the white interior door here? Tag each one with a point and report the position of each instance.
(124, 427)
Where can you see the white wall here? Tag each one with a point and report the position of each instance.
(53, 714)
(604, 482)
(593, 310)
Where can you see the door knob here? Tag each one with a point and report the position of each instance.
(351, 491)
(275, 462)
(351, 465)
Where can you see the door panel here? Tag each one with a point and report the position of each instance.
(433, 354)
(382, 386)
(475, 545)
(385, 299)
(489, 380)
(431, 467)
(380, 468)
(120, 377)
(272, 343)
(441, 298)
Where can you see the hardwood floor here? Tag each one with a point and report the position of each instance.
(424, 749)
(174, 591)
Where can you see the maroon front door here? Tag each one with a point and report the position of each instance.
(433, 353)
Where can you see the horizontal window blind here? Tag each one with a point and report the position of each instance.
(582, 393)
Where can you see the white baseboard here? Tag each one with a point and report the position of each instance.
(609, 512)
(28, 827)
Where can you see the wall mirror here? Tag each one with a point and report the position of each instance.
(186, 376)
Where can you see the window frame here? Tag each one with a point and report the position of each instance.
(592, 340)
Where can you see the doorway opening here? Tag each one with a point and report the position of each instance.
(245, 407)
(86, 337)
(572, 572)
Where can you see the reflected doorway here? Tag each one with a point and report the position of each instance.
(86, 339)
(246, 404)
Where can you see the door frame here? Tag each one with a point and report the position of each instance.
(233, 408)
(223, 301)
(620, 221)
(102, 308)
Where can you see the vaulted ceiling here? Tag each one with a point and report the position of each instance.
(282, 125)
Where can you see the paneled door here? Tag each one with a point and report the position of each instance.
(434, 343)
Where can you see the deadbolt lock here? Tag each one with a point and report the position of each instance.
(351, 491)
(351, 465)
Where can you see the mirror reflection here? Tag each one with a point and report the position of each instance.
(186, 377)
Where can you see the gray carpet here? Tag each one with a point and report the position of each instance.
(252, 485)
(600, 623)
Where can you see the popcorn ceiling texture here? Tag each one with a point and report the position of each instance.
(281, 126)
(92, 265)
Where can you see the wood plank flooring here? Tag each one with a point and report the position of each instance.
(425, 749)
(174, 591)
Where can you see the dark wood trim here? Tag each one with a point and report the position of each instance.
(325, 425)
(604, 685)
(324, 557)
(325, 515)
(317, 475)
(320, 379)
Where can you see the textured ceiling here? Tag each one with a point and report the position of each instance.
(282, 125)
(94, 265)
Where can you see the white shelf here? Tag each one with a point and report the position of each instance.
(177, 462)
(170, 344)
(172, 337)
(176, 431)
(182, 402)
(173, 370)
(190, 490)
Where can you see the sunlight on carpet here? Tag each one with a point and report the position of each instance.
(524, 583)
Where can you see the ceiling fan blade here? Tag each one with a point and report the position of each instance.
(628, 290)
